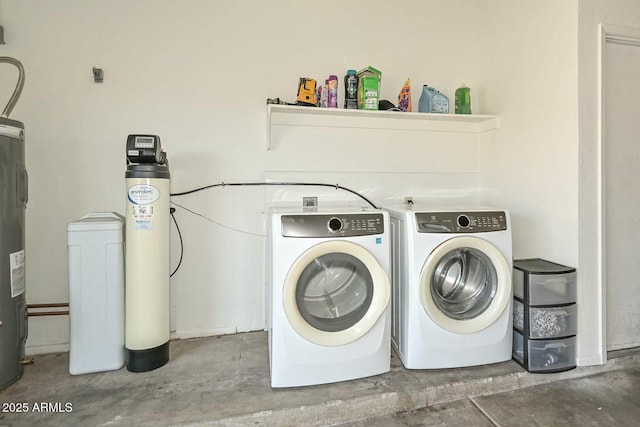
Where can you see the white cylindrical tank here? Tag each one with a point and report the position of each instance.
(147, 267)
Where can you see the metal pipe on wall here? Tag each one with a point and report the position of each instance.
(47, 313)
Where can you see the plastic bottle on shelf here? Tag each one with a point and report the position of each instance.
(333, 91)
(424, 104)
(324, 96)
(351, 90)
(404, 97)
(463, 100)
(440, 103)
(432, 101)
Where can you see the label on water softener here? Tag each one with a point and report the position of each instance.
(17, 267)
(142, 197)
(143, 194)
(143, 216)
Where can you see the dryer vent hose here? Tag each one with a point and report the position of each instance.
(18, 90)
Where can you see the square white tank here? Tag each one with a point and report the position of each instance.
(96, 293)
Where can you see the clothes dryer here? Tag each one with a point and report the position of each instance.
(328, 310)
(452, 293)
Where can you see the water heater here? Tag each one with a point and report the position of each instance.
(147, 228)
(13, 202)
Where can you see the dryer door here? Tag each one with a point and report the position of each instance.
(465, 284)
(335, 292)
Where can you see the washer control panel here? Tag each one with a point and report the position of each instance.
(339, 225)
(461, 222)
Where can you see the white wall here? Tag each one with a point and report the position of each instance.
(198, 72)
(531, 165)
(592, 13)
(530, 65)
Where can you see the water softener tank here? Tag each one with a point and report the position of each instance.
(147, 254)
(13, 202)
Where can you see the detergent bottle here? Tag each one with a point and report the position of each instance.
(432, 101)
(424, 104)
(463, 100)
(440, 103)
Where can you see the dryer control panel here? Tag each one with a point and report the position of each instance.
(461, 222)
(339, 225)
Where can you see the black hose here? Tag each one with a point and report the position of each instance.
(255, 184)
(171, 211)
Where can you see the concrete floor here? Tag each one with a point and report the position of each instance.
(225, 381)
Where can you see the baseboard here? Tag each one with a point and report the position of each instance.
(590, 360)
(34, 350)
(201, 333)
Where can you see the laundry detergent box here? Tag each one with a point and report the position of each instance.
(369, 82)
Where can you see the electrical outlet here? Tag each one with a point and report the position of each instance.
(408, 200)
(310, 202)
(98, 75)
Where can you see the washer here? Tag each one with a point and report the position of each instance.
(452, 293)
(329, 291)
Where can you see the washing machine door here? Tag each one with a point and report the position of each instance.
(335, 292)
(465, 284)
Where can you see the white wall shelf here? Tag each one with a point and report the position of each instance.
(291, 115)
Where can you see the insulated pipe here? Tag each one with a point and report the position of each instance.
(18, 90)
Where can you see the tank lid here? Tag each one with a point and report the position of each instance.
(147, 170)
(98, 221)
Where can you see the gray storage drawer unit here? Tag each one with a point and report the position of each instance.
(544, 315)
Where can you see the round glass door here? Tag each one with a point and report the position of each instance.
(465, 284)
(335, 292)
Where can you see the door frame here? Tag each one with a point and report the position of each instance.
(619, 35)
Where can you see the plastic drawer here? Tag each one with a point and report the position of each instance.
(552, 322)
(537, 281)
(549, 289)
(545, 289)
(544, 355)
(552, 355)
